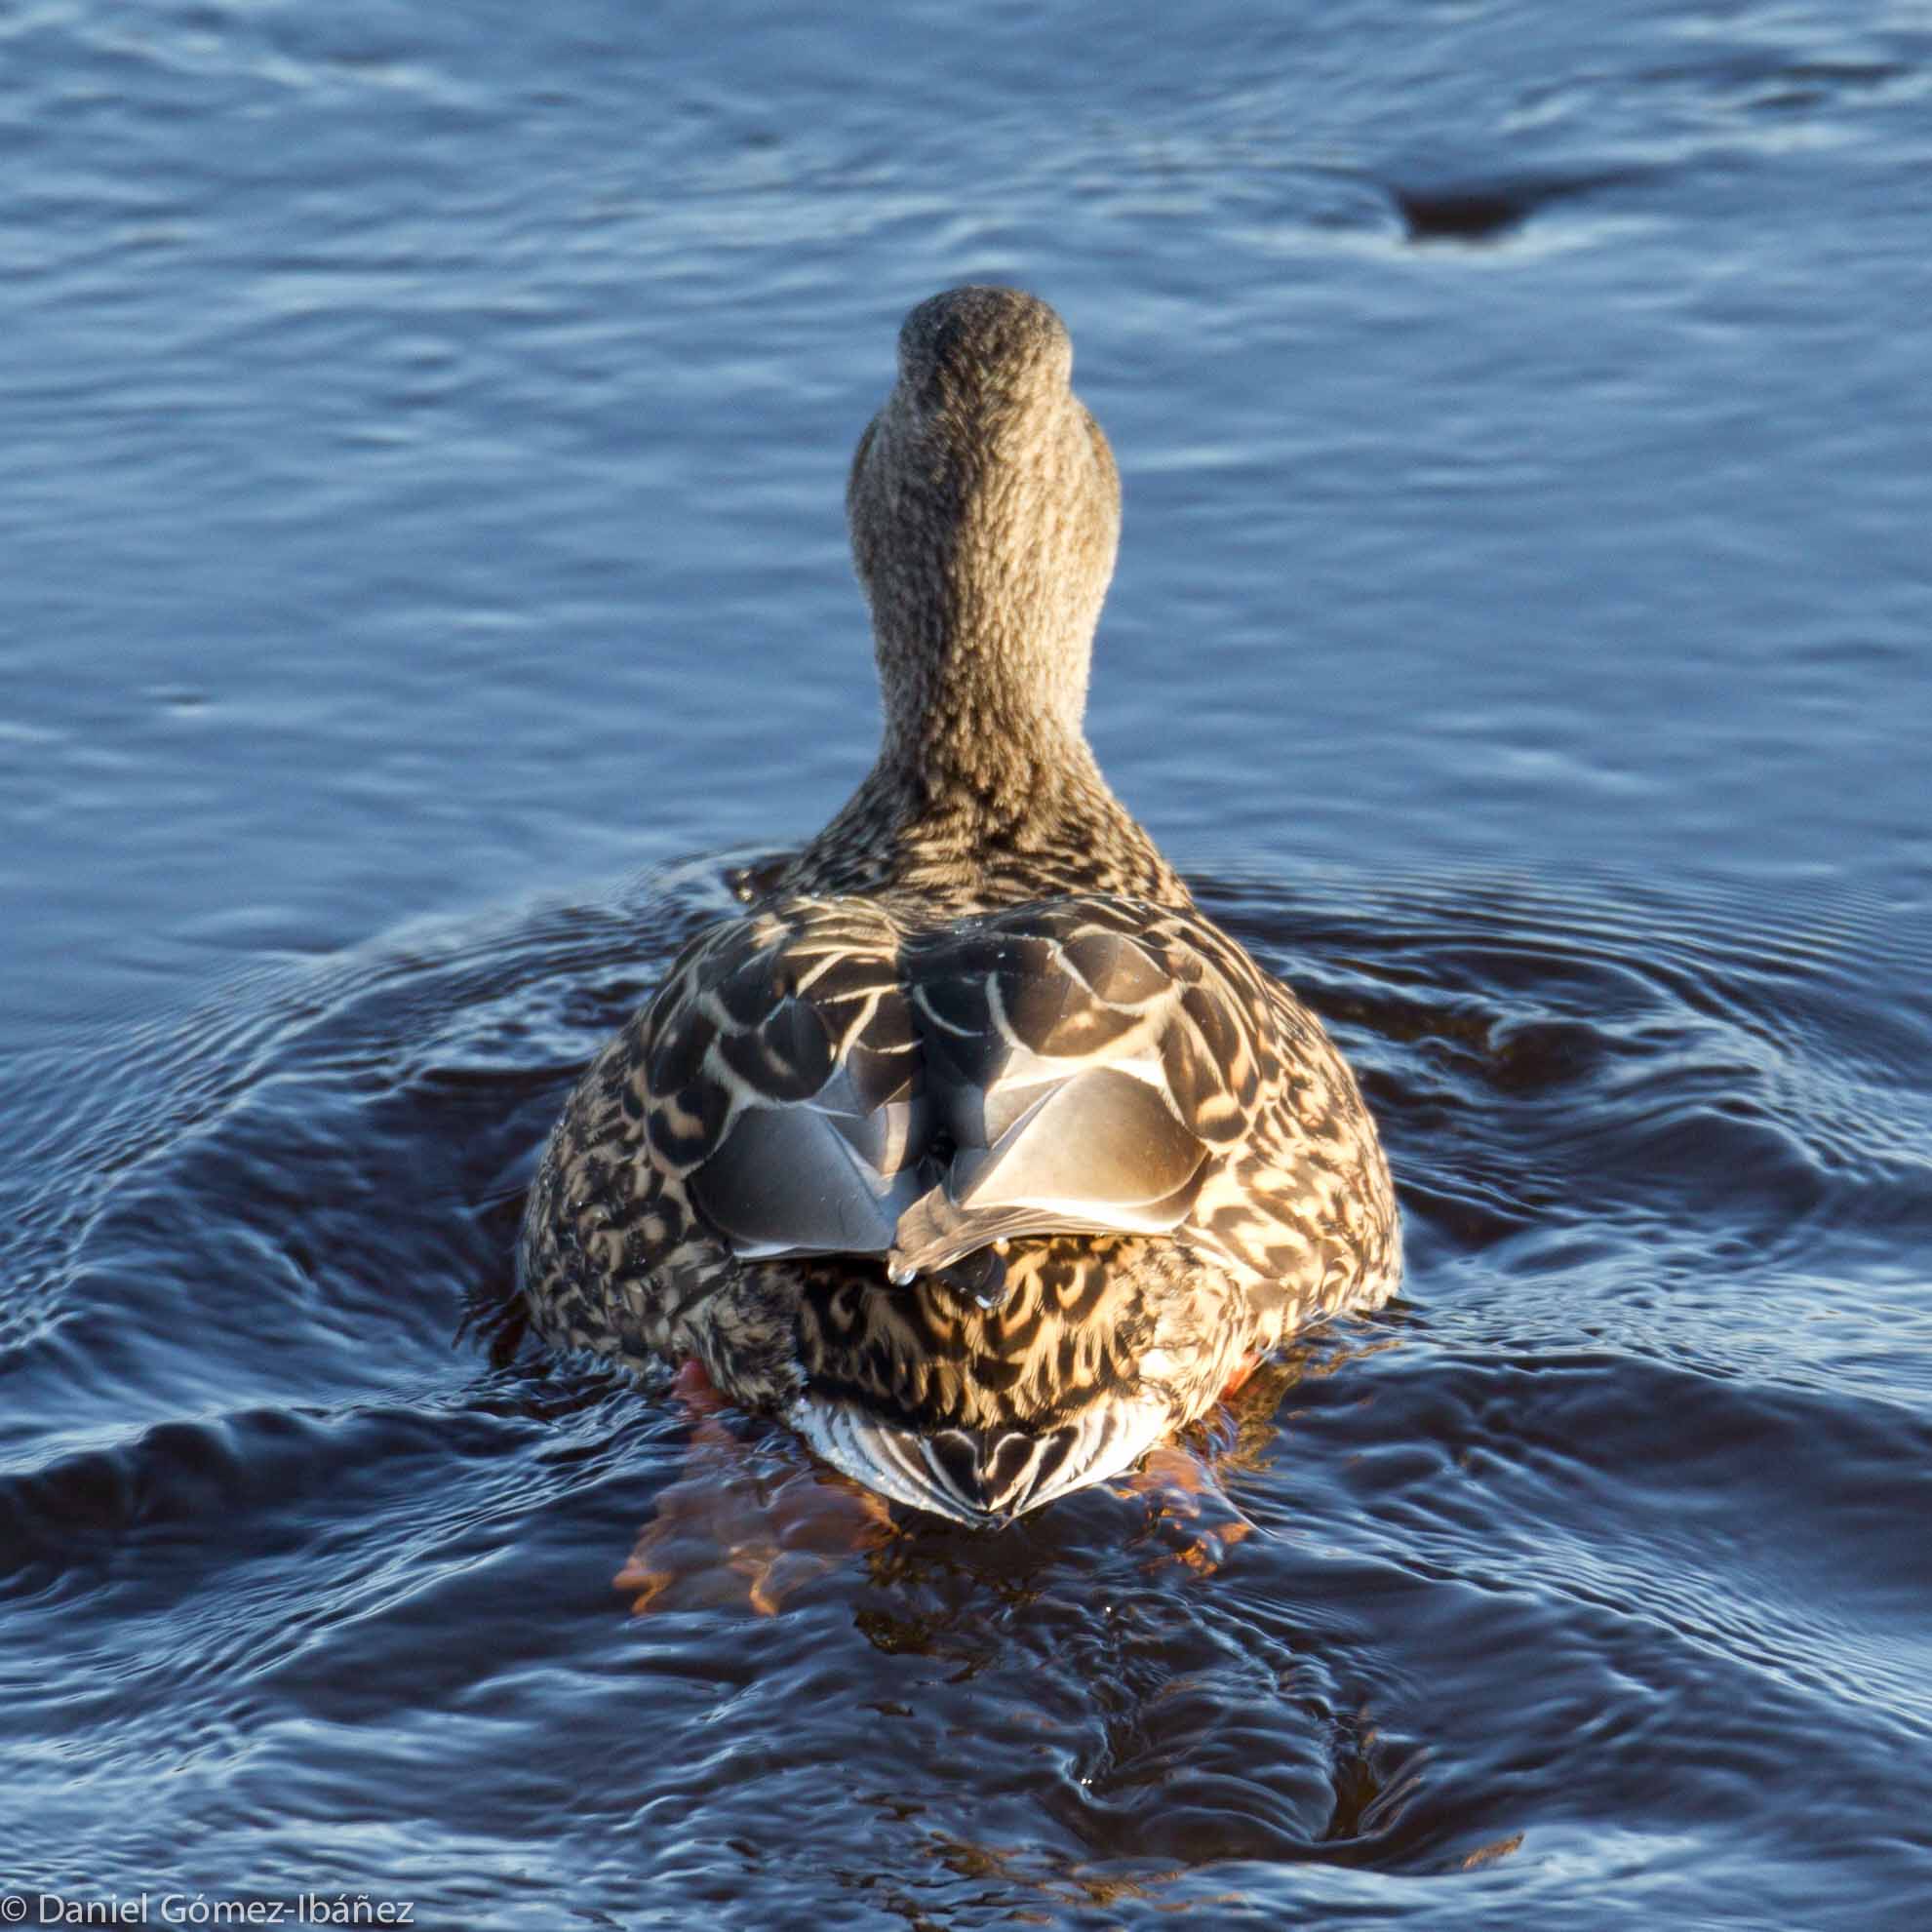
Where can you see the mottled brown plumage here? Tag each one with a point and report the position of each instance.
(974, 1148)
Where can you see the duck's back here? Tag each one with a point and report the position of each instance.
(842, 1126)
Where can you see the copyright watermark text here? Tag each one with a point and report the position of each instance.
(198, 1909)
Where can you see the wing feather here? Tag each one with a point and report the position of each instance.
(825, 1083)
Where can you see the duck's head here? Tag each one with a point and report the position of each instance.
(985, 511)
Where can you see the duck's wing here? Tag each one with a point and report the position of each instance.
(1085, 1064)
(779, 1081)
(820, 1082)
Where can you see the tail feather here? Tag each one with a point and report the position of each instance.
(981, 1477)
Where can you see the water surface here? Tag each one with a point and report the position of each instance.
(426, 431)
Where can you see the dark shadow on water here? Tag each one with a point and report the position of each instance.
(1478, 209)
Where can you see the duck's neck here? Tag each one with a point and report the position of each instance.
(973, 741)
(964, 808)
(972, 802)
(984, 700)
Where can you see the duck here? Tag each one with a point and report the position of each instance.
(970, 1146)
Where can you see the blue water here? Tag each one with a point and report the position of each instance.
(424, 433)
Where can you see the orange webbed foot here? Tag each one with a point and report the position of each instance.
(1188, 1509)
(729, 1530)
(1239, 1379)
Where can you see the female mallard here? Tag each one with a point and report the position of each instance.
(974, 1148)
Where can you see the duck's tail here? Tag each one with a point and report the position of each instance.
(982, 1477)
